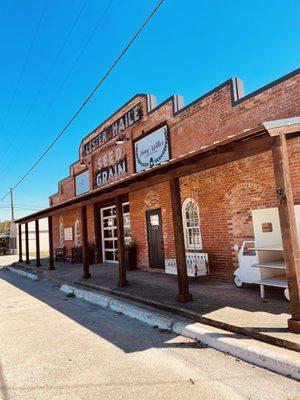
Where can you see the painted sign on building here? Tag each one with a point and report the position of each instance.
(120, 125)
(153, 149)
(110, 167)
(82, 183)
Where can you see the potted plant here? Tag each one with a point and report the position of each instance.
(131, 254)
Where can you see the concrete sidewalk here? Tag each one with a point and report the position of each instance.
(219, 304)
(283, 361)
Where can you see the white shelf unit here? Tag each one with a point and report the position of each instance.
(272, 269)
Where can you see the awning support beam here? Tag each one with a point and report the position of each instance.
(184, 295)
(288, 227)
(37, 243)
(27, 244)
(121, 245)
(85, 246)
(51, 254)
(20, 243)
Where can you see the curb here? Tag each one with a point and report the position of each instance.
(21, 272)
(282, 361)
(130, 310)
(185, 314)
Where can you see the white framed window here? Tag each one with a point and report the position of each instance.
(77, 235)
(191, 225)
(61, 234)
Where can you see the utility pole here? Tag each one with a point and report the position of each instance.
(13, 234)
(12, 204)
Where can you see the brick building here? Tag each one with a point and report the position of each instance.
(183, 179)
(224, 196)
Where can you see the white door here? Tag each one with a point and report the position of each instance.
(109, 231)
(109, 234)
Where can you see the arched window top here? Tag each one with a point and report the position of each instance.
(77, 233)
(191, 225)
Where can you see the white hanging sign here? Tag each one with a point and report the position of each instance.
(82, 183)
(153, 149)
(68, 234)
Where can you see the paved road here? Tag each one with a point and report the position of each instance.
(53, 347)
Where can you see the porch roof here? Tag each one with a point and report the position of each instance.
(247, 143)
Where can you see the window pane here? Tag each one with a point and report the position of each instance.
(192, 225)
(109, 255)
(107, 233)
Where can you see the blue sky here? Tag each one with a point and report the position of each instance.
(189, 47)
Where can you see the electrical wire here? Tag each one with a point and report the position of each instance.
(16, 88)
(62, 84)
(50, 70)
(89, 97)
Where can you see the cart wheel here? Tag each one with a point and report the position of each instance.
(238, 282)
(287, 294)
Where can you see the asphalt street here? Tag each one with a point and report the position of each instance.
(56, 347)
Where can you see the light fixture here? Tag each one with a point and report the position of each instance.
(83, 164)
(121, 139)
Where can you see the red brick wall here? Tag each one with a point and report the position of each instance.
(225, 195)
(142, 200)
(68, 219)
(211, 118)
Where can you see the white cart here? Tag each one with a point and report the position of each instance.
(261, 262)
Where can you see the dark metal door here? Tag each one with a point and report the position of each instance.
(155, 239)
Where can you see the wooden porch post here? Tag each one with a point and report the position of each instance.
(98, 248)
(121, 246)
(51, 255)
(37, 243)
(288, 227)
(20, 243)
(183, 285)
(85, 247)
(27, 244)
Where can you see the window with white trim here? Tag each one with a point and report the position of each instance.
(77, 235)
(61, 234)
(191, 225)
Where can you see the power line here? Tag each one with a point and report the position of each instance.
(50, 70)
(62, 84)
(113, 65)
(24, 65)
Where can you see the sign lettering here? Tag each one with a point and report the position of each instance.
(128, 119)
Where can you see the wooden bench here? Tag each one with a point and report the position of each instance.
(60, 254)
(76, 254)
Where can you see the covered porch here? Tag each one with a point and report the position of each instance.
(268, 137)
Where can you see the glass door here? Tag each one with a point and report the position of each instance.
(109, 234)
(109, 231)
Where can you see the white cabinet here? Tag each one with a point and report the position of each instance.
(262, 261)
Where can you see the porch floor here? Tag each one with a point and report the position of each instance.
(216, 300)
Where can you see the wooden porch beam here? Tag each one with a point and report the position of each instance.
(85, 245)
(51, 252)
(183, 295)
(37, 243)
(121, 245)
(27, 244)
(288, 227)
(20, 243)
(98, 238)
